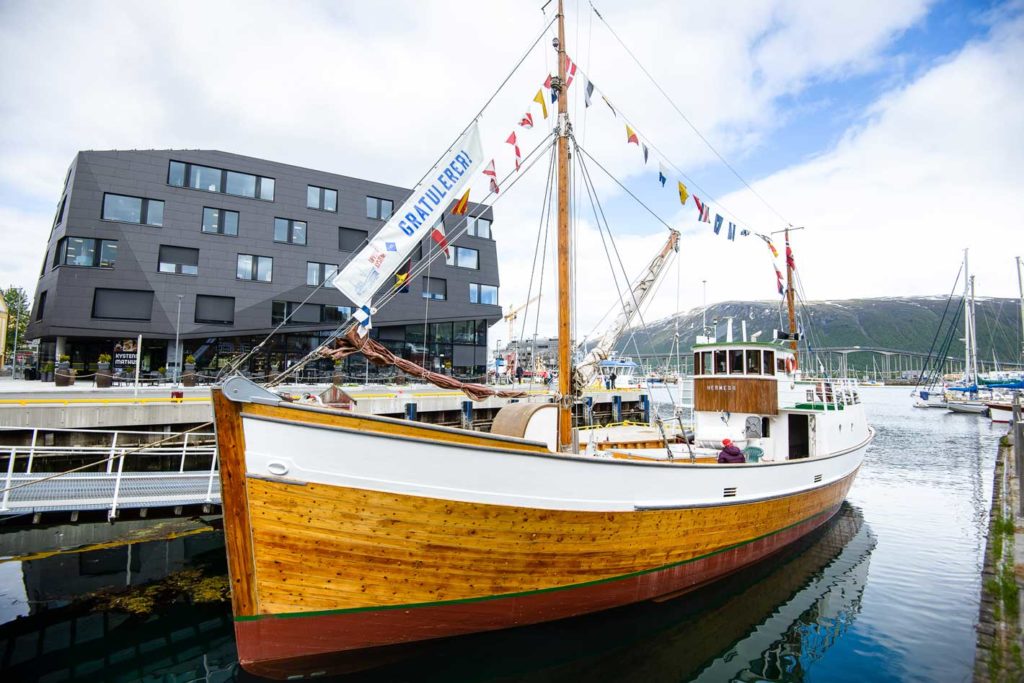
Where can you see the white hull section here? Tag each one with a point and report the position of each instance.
(1001, 414)
(294, 452)
(972, 407)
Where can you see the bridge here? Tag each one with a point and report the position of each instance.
(74, 470)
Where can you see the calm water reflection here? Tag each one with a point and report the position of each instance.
(888, 591)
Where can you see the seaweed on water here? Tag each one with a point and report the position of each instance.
(189, 584)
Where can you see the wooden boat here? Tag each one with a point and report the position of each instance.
(1000, 411)
(972, 407)
(350, 535)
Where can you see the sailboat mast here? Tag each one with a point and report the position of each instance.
(1020, 288)
(790, 304)
(565, 403)
(967, 322)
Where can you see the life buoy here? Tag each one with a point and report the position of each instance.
(790, 365)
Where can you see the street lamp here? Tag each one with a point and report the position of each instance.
(177, 345)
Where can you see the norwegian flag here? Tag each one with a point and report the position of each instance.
(789, 257)
(527, 121)
(778, 280)
(494, 176)
(515, 145)
(437, 234)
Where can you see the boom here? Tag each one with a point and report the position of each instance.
(587, 370)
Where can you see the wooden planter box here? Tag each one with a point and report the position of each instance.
(64, 377)
(103, 377)
(188, 379)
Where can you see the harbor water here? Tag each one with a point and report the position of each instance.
(888, 591)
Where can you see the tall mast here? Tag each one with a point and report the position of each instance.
(1020, 287)
(967, 322)
(565, 370)
(790, 302)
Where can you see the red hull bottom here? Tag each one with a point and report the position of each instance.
(342, 642)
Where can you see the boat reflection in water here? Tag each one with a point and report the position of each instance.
(768, 622)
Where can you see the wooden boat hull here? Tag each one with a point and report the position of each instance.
(1000, 413)
(394, 539)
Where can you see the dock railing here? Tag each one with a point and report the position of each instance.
(114, 469)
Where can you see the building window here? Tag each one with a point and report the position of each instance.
(178, 260)
(336, 314)
(59, 218)
(321, 198)
(379, 208)
(220, 221)
(461, 257)
(85, 252)
(478, 227)
(296, 313)
(259, 268)
(482, 294)
(350, 239)
(122, 304)
(435, 288)
(318, 273)
(218, 310)
(125, 209)
(289, 231)
(210, 179)
(41, 306)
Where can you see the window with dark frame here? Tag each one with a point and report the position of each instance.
(478, 227)
(126, 209)
(721, 363)
(41, 306)
(318, 273)
(735, 361)
(463, 257)
(706, 365)
(59, 217)
(483, 294)
(85, 252)
(753, 362)
(211, 179)
(768, 363)
(220, 221)
(435, 288)
(350, 239)
(122, 304)
(378, 208)
(288, 231)
(178, 260)
(321, 198)
(256, 268)
(215, 310)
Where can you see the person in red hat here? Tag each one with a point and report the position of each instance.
(730, 453)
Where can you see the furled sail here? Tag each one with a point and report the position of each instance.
(379, 355)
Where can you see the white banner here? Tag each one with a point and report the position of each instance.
(391, 246)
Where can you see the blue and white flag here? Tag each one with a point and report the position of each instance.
(662, 174)
(718, 224)
(393, 244)
(732, 231)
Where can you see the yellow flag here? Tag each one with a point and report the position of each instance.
(683, 194)
(539, 99)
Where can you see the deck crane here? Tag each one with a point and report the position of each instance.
(513, 313)
(588, 369)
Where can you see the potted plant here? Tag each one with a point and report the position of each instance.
(47, 371)
(103, 377)
(338, 377)
(189, 378)
(64, 375)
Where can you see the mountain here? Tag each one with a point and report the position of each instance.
(894, 323)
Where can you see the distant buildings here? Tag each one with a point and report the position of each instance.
(221, 248)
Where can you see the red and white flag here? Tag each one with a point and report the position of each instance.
(494, 176)
(527, 121)
(437, 234)
(515, 145)
(570, 71)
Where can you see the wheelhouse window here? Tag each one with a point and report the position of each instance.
(220, 221)
(350, 239)
(85, 252)
(125, 209)
(435, 288)
(179, 260)
(258, 268)
(461, 257)
(768, 363)
(483, 294)
(478, 227)
(735, 361)
(721, 363)
(707, 366)
(288, 231)
(753, 362)
(318, 273)
(321, 198)
(378, 208)
(211, 179)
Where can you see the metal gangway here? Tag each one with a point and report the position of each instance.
(133, 469)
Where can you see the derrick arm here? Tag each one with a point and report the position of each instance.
(587, 369)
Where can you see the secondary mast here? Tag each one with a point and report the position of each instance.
(565, 370)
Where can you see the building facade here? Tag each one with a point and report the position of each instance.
(219, 249)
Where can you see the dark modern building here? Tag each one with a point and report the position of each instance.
(238, 243)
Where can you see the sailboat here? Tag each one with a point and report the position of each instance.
(1001, 408)
(967, 400)
(350, 535)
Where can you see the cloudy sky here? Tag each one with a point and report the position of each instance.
(893, 130)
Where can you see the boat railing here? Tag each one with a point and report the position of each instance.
(835, 393)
